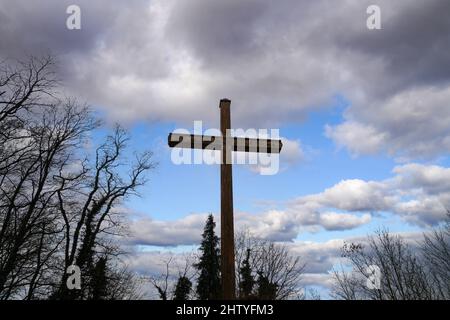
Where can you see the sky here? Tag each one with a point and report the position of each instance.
(364, 113)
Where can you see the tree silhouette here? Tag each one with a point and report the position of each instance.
(58, 201)
(407, 272)
(99, 280)
(247, 281)
(208, 286)
(182, 289)
(266, 289)
(273, 261)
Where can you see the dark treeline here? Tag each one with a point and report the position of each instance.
(264, 271)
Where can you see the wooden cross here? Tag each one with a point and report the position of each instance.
(226, 144)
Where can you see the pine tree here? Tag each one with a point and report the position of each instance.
(209, 265)
(247, 281)
(182, 289)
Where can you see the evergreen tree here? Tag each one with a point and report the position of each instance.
(209, 265)
(99, 280)
(266, 289)
(182, 289)
(247, 281)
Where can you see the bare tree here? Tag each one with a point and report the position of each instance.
(57, 207)
(161, 282)
(38, 135)
(125, 285)
(86, 203)
(436, 253)
(119, 283)
(174, 269)
(272, 261)
(404, 275)
(346, 285)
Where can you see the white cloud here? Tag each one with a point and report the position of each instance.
(343, 221)
(185, 231)
(430, 178)
(324, 280)
(318, 256)
(277, 225)
(352, 195)
(292, 153)
(358, 138)
(417, 193)
(410, 124)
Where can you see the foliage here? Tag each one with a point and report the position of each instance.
(209, 285)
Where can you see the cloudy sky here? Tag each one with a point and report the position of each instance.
(364, 114)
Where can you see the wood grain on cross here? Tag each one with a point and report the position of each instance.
(226, 144)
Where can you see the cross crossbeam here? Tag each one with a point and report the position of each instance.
(192, 141)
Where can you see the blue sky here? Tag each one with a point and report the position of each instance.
(179, 190)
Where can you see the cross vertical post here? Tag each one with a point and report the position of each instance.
(227, 144)
(226, 205)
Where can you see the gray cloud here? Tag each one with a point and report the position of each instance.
(186, 231)
(173, 60)
(417, 193)
(320, 257)
(415, 51)
(275, 225)
(433, 179)
(411, 124)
